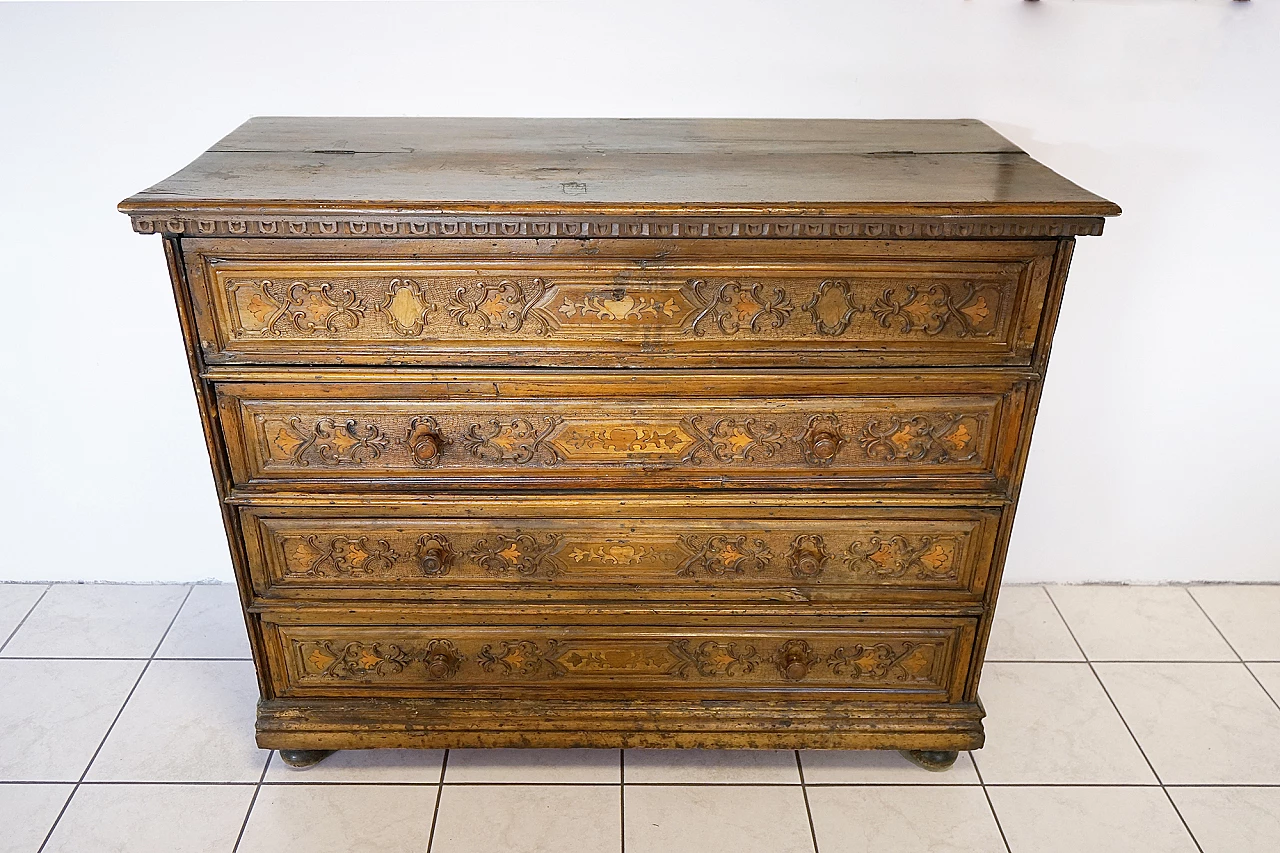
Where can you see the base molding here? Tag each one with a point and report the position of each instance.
(330, 724)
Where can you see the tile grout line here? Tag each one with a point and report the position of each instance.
(1234, 651)
(804, 790)
(1129, 729)
(990, 804)
(25, 617)
(253, 801)
(114, 720)
(435, 813)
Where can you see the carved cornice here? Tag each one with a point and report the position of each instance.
(219, 224)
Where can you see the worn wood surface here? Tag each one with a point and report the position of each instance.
(615, 433)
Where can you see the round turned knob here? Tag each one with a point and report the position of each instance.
(794, 659)
(824, 445)
(795, 670)
(426, 447)
(438, 667)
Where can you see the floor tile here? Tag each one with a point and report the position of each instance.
(16, 600)
(708, 766)
(1199, 723)
(1231, 820)
(1139, 623)
(1269, 675)
(1028, 627)
(364, 765)
(340, 819)
(716, 819)
(38, 806)
(1093, 819)
(54, 714)
(1246, 615)
(878, 767)
(1051, 723)
(152, 819)
(188, 721)
(904, 819)
(98, 621)
(538, 766)
(210, 625)
(529, 819)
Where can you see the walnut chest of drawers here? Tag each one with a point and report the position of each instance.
(617, 432)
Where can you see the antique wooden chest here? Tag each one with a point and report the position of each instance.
(617, 432)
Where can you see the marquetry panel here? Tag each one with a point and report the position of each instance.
(870, 303)
(837, 556)
(700, 439)
(450, 659)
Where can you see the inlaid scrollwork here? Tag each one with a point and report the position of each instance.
(934, 438)
(502, 305)
(517, 441)
(732, 440)
(932, 309)
(925, 557)
(719, 555)
(328, 442)
(710, 658)
(734, 306)
(522, 553)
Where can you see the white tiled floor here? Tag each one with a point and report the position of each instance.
(1135, 719)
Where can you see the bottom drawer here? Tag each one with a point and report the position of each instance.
(897, 659)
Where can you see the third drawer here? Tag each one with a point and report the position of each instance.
(757, 550)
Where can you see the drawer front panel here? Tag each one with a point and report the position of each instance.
(712, 432)
(932, 555)
(904, 661)
(642, 302)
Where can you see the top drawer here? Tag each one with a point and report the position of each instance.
(619, 302)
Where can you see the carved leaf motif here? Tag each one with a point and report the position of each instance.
(720, 555)
(934, 309)
(341, 556)
(921, 438)
(501, 305)
(729, 440)
(710, 658)
(905, 662)
(313, 307)
(734, 306)
(328, 442)
(896, 557)
(519, 442)
(522, 553)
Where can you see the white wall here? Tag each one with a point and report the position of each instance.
(1157, 449)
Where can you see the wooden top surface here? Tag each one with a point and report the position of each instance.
(682, 166)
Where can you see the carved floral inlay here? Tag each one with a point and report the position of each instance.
(761, 661)
(500, 306)
(848, 554)
(328, 442)
(455, 305)
(922, 438)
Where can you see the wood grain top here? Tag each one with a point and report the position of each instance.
(698, 167)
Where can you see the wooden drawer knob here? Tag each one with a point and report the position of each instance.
(794, 659)
(425, 441)
(824, 444)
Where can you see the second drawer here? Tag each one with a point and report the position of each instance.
(592, 430)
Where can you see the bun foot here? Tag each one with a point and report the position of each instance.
(936, 760)
(308, 757)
